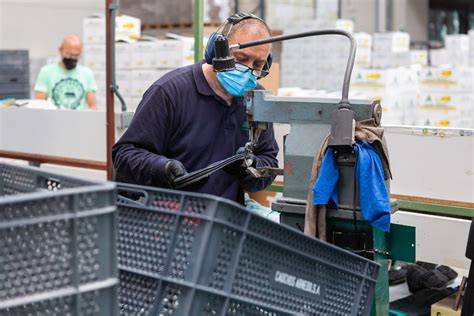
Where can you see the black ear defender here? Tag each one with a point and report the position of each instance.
(217, 41)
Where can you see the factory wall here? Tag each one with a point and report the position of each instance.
(417, 16)
(362, 12)
(39, 25)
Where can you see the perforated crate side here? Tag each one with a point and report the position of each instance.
(15, 179)
(51, 241)
(97, 302)
(14, 61)
(238, 257)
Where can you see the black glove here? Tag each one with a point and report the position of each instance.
(174, 169)
(239, 168)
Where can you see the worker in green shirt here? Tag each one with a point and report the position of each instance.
(66, 83)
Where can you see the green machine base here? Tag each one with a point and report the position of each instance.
(358, 236)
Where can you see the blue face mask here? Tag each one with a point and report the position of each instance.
(237, 82)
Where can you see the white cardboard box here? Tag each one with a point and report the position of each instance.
(401, 78)
(93, 56)
(385, 59)
(292, 10)
(460, 117)
(363, 58)
(99, 76)
(170, 53)
(127, 27)
(445, 78)
(163, 53)
(457, 46)
(124, 81)
(142, 79)
(303, 25)
(447, 100)
(364, 40)
(188, 47)
(439, 57)
(339, 24)
(447, 109)
(124, 54)
(419, 57)
(392, 42)
(397, 108)
(93, 29)
(457, 42)
(145, 53)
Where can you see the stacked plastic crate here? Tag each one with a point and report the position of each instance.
(192, 254)
(14, 74)
(57, 244)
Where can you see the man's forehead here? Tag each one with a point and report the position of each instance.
(72, 47)
(242, 36)
(250, 32)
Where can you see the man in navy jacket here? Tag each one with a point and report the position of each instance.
(192, 117)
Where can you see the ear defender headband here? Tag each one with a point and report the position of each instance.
(226, 28)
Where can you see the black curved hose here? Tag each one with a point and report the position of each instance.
(350, 61)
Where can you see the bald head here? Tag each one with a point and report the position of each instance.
(71, 40)
(250, 30)
(250, 25)
(71, 47)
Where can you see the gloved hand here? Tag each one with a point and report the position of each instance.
(239, 168)
(174, 169)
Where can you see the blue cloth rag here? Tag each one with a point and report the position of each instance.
(325, 188)
(373, 195)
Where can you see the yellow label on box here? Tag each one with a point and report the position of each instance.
(446, 98)
(373, 76)
(443, 123)
(446, 73)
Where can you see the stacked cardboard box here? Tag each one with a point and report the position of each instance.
(391, 49)
(318, 62)
(291, 10)
(139, 61)
(364, 50)
(395, 88)
(419, 57)
(457, 51)
(457, 48)
(392, 86)
(411, 93)
(446, 96)
(439, 57)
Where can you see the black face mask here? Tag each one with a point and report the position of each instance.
(69, 63)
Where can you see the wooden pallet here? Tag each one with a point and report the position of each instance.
(174, 25)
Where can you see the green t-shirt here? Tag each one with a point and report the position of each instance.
(66, 88)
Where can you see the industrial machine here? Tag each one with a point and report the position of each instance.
(311, 121)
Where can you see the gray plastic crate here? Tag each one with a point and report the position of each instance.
(57, 244)
(191, 254)
(14, 61)
(14, 74)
